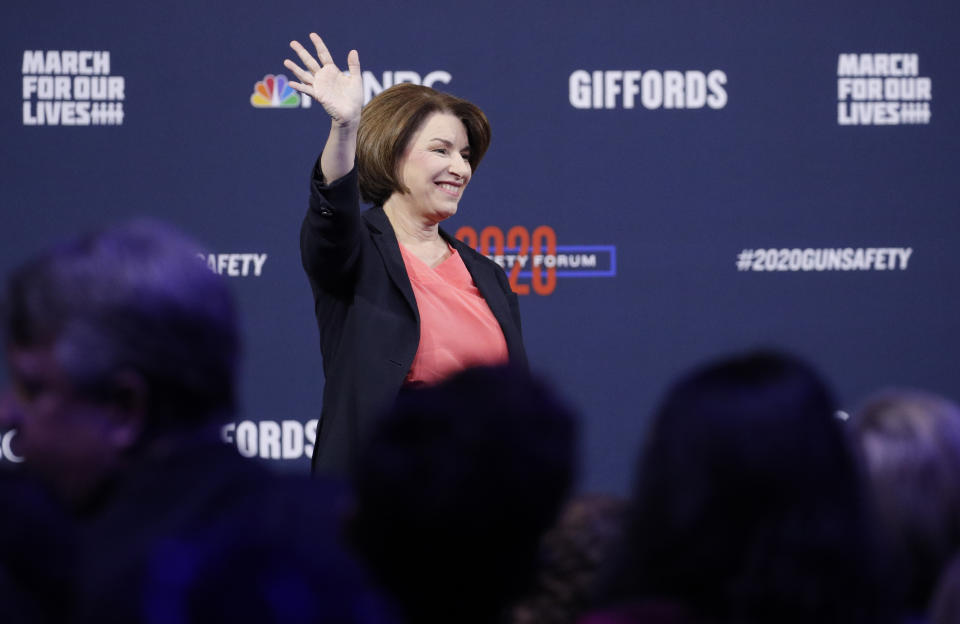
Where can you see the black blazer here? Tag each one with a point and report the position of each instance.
(367, 313)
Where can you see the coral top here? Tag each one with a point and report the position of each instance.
(457, 328)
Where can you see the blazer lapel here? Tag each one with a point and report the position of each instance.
(386, 242)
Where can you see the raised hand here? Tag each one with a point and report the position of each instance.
(340, 93)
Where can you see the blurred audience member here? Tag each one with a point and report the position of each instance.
(748, 506)
(911, 443)
(572, 553)
(36, 556)
(123, 349)
(945, 605)
(455, 488)
(274, 563)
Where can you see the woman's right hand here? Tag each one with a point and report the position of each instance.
(340, 93)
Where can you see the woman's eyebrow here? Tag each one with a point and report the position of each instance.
(447, 143)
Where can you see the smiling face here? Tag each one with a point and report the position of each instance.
(435, 169)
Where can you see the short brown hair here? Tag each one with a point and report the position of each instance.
(388, 123)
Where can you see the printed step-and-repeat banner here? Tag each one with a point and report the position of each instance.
(667, 181)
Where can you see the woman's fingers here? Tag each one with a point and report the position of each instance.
(302, 88)
(322, 53)
(353, 63)
(308, 61)
(302, 76)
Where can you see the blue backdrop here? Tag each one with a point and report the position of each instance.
(695, 177)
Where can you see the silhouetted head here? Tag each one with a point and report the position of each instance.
(111, 339)
(573, 553)
(748, 503)
(455, 487)
(911, 443)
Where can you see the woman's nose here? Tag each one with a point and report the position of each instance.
(460, 166)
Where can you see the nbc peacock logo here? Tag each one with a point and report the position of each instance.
(275, 92)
